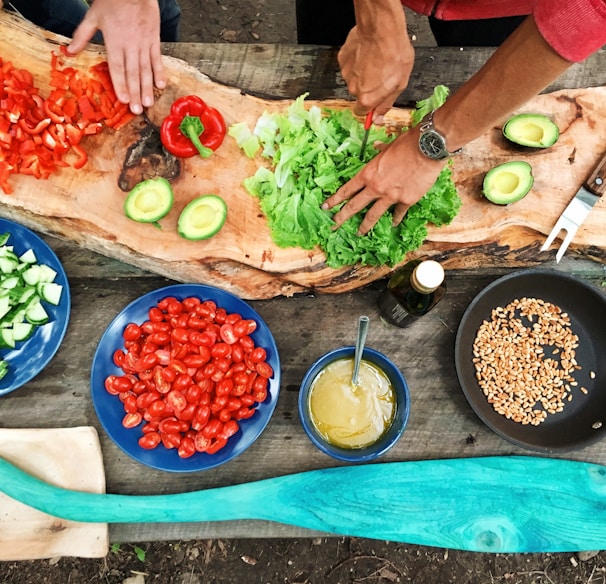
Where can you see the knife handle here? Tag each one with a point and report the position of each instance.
(596, 183)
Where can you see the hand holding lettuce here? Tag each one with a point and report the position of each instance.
(311, 154)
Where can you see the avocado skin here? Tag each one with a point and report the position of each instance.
(531, 130)
(515, 176)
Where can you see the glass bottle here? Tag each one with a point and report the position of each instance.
(412, 292)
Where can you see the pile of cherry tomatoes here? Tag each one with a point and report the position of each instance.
(192, 372)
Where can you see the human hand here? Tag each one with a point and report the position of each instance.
(376, 63)
(131, 31)
(399, 175)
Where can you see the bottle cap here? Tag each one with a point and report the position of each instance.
(428, 276)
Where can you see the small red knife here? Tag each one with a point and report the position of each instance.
(367, 124)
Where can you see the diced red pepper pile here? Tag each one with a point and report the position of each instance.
(38, 135)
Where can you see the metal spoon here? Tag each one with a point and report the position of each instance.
(360, 340)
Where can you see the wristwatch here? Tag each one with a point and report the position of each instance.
(431, 143)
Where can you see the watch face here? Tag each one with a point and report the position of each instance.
(432, 145)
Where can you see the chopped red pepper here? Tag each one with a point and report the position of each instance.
(37, 134)
(192, 127)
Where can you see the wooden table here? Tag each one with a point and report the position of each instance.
(442, 424)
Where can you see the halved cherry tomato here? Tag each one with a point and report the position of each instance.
(191, 371)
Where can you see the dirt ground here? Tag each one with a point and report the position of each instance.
(295, 561)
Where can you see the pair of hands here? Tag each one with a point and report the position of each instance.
(131, 32)
(376, 68)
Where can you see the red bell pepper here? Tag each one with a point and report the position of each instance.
(192, 127)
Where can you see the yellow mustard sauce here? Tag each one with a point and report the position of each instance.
(351, 416)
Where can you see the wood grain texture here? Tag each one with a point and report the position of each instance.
(86, 206)
(494, 504)
(65, 457)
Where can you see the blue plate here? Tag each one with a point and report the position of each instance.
(30, 357)
(109, 408)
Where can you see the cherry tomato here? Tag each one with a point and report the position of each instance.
(227, 333)
(132, 332)
(132, 420)
(216, 445)
(258, 354)
(264, 370)
(190, 371)
(150, 440)
(187, 447)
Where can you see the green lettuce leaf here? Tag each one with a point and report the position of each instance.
(311, 152)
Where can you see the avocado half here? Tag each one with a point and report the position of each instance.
(532, 130)
(202, 218)
(508, 182)
(149, 201)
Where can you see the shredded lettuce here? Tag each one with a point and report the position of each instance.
(312, 152)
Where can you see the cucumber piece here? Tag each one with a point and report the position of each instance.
(202, 218)
(8, 265)
(3, 368)
(508, 182)
(35, 313)
(149, 201)
(7, 338)
(10, 282)
(4, 238)
(51, 292)
(5, 306)
(29, 257)
(23, 331)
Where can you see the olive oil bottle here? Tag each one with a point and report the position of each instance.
(412, 292)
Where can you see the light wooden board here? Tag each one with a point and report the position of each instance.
(86, 206)
(65, 457)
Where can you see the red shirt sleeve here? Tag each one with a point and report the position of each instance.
(574, 29)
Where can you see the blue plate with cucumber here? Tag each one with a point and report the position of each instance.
(34, 305)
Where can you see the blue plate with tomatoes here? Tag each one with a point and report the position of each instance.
(29, 357)
(151, 353)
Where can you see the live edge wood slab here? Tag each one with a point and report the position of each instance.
(85, 205)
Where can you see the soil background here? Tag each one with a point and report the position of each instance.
(334, 560)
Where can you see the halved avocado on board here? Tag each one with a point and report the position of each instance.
(508, 182)
(532, 130)
(149, 201)
(202, 218)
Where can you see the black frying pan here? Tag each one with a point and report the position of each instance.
(583, 420)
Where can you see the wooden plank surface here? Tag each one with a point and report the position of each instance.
(86, 205)
(442, 424)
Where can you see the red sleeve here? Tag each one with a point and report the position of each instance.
(574, 29)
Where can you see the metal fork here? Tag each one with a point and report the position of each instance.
(578, 209)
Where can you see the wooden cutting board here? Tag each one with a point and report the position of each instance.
(65, 457)
(86, 205)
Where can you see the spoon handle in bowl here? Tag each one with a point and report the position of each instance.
(491, 504)
(359, 349)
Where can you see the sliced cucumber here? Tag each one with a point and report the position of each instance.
(35, 313)
(51, 292)
(25, 285)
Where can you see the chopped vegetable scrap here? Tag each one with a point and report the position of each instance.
(25, 285)
(312, 152)
(192, 127)
(39, 135)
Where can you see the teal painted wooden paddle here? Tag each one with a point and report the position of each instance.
(491, 504)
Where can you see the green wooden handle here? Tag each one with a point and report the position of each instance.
(491, 504)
